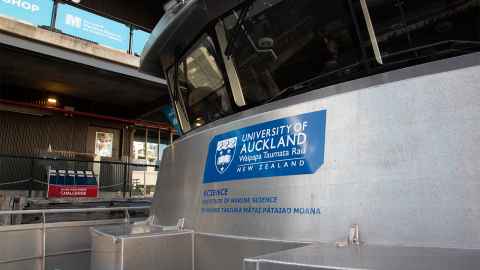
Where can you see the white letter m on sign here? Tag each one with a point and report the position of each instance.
(73, 21)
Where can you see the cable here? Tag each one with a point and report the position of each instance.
(40, 182)
(15, 182)
(102, 187)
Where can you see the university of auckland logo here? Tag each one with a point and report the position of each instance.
(224, 154)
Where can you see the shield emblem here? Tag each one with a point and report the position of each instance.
(225, 154)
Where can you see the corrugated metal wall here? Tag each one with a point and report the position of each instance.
(29, 135)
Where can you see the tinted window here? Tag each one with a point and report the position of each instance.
(291, 42)
(286, 47)
(412, 30)
(282, 48)
(201, 88)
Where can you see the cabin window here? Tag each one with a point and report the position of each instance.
(267, 50)
(412, 31)
(276, 47)
(282, 48)
(201, 93)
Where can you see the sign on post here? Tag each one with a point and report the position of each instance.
(34, 12)
(83, 24)
(73, 184)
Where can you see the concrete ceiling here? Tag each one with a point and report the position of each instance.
(27, 70)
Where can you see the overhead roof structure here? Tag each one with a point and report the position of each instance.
(41, 60)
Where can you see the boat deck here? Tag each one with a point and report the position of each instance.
(321, 256)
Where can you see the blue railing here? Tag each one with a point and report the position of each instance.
(79, 22)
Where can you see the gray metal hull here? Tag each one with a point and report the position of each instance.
(401, 160)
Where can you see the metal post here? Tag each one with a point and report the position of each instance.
(145, 182)
(54, 15)
(359, 35)
(130, 181)
(146, 141)
(158, 145)
(75, 172)
(124, 154)
(44, 236)
(125, 179)
(127, 216)
(130, 40)
(30, 187)
(30, 183)
(146, 161)
(130, 140)
(371, 32)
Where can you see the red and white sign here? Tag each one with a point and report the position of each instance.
(72, 191)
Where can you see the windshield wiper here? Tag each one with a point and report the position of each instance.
(238, 27)
(310, 82)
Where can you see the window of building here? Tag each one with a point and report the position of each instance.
(147, 149)
(146, 146)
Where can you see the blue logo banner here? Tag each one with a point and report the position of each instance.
(83, 24)
(34, 12)
(287, 146)
(139, 40)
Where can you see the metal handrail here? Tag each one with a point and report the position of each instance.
(77, 164)
(77, 160)
(71, 210)
(44, 212)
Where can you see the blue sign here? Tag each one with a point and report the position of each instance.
(288, 146)
(35, 12)
(172, 118)
(139, 40)
(83, 24)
